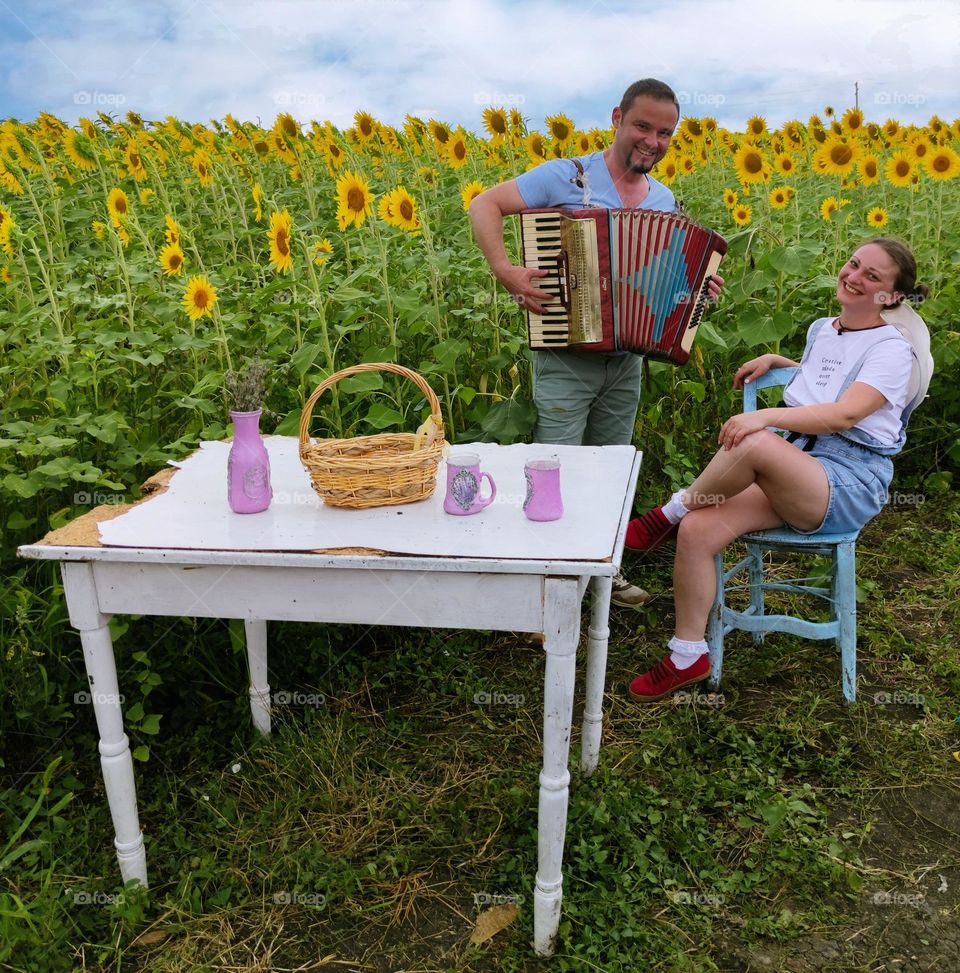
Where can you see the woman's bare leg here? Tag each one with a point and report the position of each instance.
(794, 482)
(704, 533)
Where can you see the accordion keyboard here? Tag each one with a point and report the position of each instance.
(541, 249)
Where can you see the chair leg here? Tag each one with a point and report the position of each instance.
(755, 569)
(715, 627)
(845, 600)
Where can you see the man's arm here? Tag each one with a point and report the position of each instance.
(486, 216)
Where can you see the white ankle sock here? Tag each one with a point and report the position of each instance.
(683, 654)
(674, 510)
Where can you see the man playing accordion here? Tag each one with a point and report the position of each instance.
(586, 398)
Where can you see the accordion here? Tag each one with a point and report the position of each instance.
(621, 279)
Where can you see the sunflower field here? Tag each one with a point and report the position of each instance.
(142, 261)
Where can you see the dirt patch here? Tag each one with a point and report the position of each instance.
(906, 918)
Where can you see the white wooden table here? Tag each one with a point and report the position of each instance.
(183, 553)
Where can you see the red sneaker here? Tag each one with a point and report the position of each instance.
(649, 531)
(665, 677)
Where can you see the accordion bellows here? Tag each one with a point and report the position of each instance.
(622, 279)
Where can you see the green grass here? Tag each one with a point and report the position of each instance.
(387, 804)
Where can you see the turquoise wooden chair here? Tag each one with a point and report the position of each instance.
(841, 593)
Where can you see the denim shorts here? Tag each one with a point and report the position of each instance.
(858, 479)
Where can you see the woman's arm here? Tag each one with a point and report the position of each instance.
(859, 401)
(756, 367)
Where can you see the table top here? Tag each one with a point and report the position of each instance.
(191, 523)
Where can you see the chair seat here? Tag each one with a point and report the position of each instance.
(788, 536)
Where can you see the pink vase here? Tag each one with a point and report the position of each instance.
(248, 466)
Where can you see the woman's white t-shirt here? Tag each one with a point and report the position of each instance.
(887, 368)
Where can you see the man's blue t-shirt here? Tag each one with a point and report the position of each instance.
(553, 183)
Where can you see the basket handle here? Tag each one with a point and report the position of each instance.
(421, 384)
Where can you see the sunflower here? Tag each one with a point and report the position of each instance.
(693, 129)
(286, 127)
(439, 132)
(89, 128)
(495, 122)
(470, 192)
(257, 194)
(751, 164)
(877, 217)
(279, 236)
(99, 228)
(118, 205)
(80, 150)
(404, 210)
(354, 201)
(201, 166)
(869, 169)
(899, 169)
(942, 163)
(321, 251)
(687, 165)
(828, 207)
(780, 196)
(818, 133)
(428, 174)
(729, 198)
(135, 165)
(172, 232)
(199, 297)
(756, 127)
(5, 276)
(385, 209)
(785, 164)
(837, 157)
(366, 125)
(391, 140)
(741, 214)
(583, 143)
(333, 153)
(536, 147)
(852, 120)
(920, 147)
(261, 148)
(560, 128)
(793, 133)
(457, 153)
(171, 259)
(828, 111)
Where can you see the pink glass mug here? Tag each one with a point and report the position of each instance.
(543, 500)
(463, 485)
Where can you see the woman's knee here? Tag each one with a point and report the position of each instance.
(703, 531)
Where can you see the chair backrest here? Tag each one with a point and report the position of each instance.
(774, 377)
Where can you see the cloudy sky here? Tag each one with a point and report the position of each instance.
(325, 59)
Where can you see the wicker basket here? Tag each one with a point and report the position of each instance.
(372, 471)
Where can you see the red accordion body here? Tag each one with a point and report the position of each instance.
(623, 280)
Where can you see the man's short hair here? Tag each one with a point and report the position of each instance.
(651, 88)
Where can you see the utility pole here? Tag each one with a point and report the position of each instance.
(856, 94)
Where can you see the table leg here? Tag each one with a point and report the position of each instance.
(598, 636)
(256, 633)
(115, 759)
(561, 624)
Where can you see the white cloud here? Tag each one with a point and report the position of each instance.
(199, 59)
